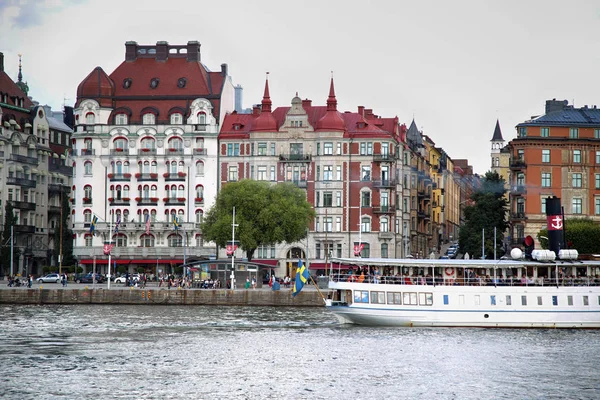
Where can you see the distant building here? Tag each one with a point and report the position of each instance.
(145, 151)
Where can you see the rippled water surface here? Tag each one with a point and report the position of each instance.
(170, 352)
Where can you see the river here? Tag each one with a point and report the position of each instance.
(194, 352)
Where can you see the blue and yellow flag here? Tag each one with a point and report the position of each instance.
(302, 276)
(93, 225)
(175, 222)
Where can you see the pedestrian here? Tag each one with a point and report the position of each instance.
(253, 283)
(247, 286)
(30, 281)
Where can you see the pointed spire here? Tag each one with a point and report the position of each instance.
(20, 76)
(331, 101)
(22, 85)
(266, 101)
(497, 133)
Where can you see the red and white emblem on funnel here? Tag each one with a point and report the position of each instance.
(555, 223)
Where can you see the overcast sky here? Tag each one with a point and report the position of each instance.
(455, 66)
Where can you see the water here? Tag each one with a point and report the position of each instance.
(170, 352)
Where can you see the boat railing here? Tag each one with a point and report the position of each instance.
(477, 281)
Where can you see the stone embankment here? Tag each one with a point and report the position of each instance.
(215, 297)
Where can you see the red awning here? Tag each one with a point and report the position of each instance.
(318, 266)
(133, 261)
(266, 261)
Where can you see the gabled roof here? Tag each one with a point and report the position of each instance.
(497, 137)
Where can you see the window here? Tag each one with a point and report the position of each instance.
(88, 240)
(384, 250)
(597, 180)
(338, 224)
(232, 173)
(338, 199)
(121, 119)
(596, 133)
(327, 199)
(544, 132)
(361, 296)
(597, 205)
(522, 131)
(555, 300)
(262, 149)
(576, 206)
(569, 300)
(378, 297)
(446, 302)
(200, 168)
(543, 205)
(328, 148)
(523, 300)
(410, 299)
(598, 157)
(272, 173)
(366, 173)
(148, 119)
(493, 300)
(328, 172)
(540, 301)
(576, 180)
(394, 298)
(365, 224)
(176, 119)
(87, 168)
(586, 301)
(272, 149)
(508, 300)
(261, 174)
(546, 179)
(384, 225)
(233, 149)
(576, 156)
(365, 199)
(90, 119)
(545, 156)
(87, 216)
(574, 133)
(338, 172)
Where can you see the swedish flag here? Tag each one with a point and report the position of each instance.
(175, 222)
(302, 276)
(93, 225)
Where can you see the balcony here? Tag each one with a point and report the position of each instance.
(24, 159)
(385, 183)
(199, 201)
(126, 177)
(24, 182)
(85, 128)
(517, 164)
(55, 188)
(147, 201)
(177, 176)
(422, 214)
(24, 205)
(295, 157)
(518, 190)
(300, 184)
(174, 201)
(54, 209)
(384, 210)
(119, 152)
(384, 157)
(174, 151)
(87, 201)
(146, 176)
(119, 202)
(199, 151)
(87, 152)
(146, 151)
(61, 169)
(24, 228)
(200, 127)
(520, 215)
(386, 235)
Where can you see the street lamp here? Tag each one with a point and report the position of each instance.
(233, 225)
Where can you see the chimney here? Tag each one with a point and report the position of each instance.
(368, 113)
(224, 69)
(361, 110)
(193, 51)
(162, 51)
(130, 51)
(555, 224)
(306, 103)
(555, 105)
(256, 109)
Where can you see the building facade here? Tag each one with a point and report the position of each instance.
(145, 157)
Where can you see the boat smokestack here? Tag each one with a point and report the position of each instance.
(555, 224)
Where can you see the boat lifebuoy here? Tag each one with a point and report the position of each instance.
(449, 271)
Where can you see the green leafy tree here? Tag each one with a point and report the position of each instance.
(581, 234)
(67, 233)
(266, 214)
(10, 219)
(487, 211)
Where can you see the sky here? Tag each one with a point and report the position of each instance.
(454, 66)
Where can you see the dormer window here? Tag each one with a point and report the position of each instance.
(237, 127)
(361, 125)
(181, 82)
(176, 119)
(154, 83)
(121, 119)
(127, 83)
(148, 119)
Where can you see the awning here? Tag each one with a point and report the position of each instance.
(266, 261)
(315, 265)
(133, 261)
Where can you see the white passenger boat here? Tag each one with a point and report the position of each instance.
(507, 293)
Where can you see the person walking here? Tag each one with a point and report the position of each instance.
(30, 281)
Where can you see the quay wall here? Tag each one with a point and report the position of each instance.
(214, 297)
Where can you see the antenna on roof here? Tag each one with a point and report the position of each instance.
(267, 75)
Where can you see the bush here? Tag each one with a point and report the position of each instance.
(581, 235)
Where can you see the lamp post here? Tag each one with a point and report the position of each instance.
(233, 225)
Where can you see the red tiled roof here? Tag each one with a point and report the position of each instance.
(8, 86)
(97, 85)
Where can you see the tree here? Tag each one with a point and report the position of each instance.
(487, 211)
(265, 214)
(580, 233)
(67, 233)
(10, 219)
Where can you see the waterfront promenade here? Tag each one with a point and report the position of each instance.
(74, 293)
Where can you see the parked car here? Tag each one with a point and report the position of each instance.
(132, 277)
(120, 279)
(89, 278)
(49, 278)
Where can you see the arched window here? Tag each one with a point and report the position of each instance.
(200, 191)
(384, 250)
(118, 168)
(146, 192)
(121, 240)
(87, 168)
(199, 216)
(200, 168)
(147, 143)
(153, 215)
(201, 118)
(176, 119)
(180, 216)
(384, 225)
(126, 167)
(147, 240)
(87, 144)
(181, 167)
(87, 191)
(87, 216)
(125, 215)
(181, 191)
(175, 240)
(88, 240)
(126, 191)
(176, 143)
(365, 224)
(153, 191)
(118, 192)
(148, 119)
(121, 143)
(153, 167)
(90, 118)
(121, 119)
(146, 169)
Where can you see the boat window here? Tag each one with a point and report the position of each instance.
(540, 301)
(554, 300)
(410, 299)
(570, 300)
(508, 300)
(493, 300)
(586, 301)
(476, 300)
(461, 299)
(378, 297)
(523, 300)
(361, 296)
(446, 299)
(394, 298)
(426, 299)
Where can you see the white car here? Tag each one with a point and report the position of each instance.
(49, 278)
(133, 278)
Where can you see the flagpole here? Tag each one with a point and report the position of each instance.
(109, 252)
(233, 225)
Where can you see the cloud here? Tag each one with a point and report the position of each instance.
(19, 15)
